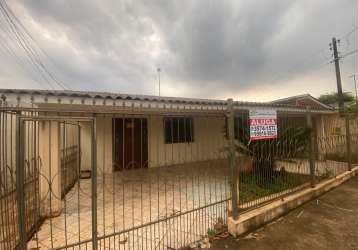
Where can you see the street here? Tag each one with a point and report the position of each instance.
(329, 222)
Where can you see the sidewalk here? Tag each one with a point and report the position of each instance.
(329, 222)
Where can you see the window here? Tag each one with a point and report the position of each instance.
(241, 128)
(178, 129)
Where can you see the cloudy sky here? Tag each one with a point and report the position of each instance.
(244, 49)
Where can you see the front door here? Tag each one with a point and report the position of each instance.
(130, 143)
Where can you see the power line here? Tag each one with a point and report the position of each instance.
(351, 32)
(314, 54)
(348, 35)
(302, 62)
(8, 50)
(13, 33)
(30, 48)
(37, 45)
(11, 51)
(17, 32)
(349, 53)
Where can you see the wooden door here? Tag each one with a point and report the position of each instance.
(130, 143)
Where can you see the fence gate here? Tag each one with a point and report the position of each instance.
(56, 194)
(40, 171)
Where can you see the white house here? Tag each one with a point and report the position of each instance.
(136, 131)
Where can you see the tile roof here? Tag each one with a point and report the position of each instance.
(63, 94)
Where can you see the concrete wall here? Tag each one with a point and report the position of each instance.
(325, 168)
(328, 125)
(50, 169)
(104, 144)
(86, 145)
(334, 124)
(331, 135)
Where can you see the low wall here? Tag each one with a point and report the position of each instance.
(326, 168)
(256, 218)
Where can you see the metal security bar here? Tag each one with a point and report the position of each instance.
(8, 205)
(155, 180)
(164, 184)
(271, 168)
(10, 230)
(70, 156)
(338, 148)
(39, 137)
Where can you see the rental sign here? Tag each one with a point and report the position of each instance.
(263, 124)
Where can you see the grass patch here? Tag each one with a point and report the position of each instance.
(254, 186)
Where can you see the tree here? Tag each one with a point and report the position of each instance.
(333, 98)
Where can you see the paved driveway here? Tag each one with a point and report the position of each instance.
(130, 199)
(329, 222)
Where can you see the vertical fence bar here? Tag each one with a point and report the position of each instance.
(348, 142)
(20, 183)
(232, 160)
(310, 146)
(94, 186)
(78, 162)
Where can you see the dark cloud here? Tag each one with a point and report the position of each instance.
(205, 48)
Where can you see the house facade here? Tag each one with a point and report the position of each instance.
(138, 131)
(178, 145)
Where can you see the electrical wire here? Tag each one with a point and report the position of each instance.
(302, 62)
(18, 61)
(17, 32)
(36, 44)
(347, 37)
(8, 35)
(14, 35)
(349, 53)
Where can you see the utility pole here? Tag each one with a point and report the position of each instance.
(355, 87)
(158, 69)
(333, 46)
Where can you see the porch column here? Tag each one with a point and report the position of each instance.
(50, 169)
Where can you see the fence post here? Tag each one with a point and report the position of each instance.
(310, 146)
(348, 142)
(232, 160)
(94, 185)
(20, 179)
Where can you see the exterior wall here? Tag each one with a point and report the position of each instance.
(328, 125)
(331, 134)
(50, 177)
(104, 144)
(331, 138)
(86, 145)
(209, 142)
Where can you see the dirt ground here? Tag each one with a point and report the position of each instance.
(329, 222)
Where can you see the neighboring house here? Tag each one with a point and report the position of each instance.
(330, 128)
(302, 101)
(328, 125)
